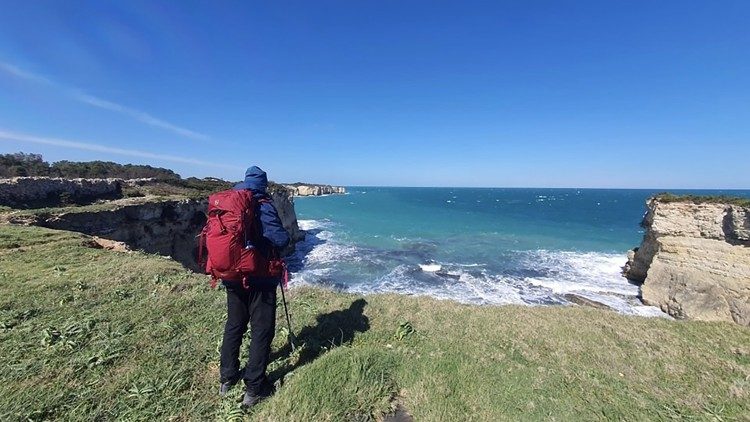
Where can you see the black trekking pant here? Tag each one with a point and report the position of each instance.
(258, 307)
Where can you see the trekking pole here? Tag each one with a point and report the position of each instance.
(288, 321)
(286, 313)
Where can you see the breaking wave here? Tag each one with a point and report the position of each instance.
(541, 277)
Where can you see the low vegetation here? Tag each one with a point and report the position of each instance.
(91, 334)
(703, 199)
(21, 164)
(191, 187)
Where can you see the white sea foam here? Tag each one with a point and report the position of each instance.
(323, 251)
(482, 288)
(312, 224)
(575, 272)
(461, 287)
(310, 276)
(430, 268)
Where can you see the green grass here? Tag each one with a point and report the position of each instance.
(667, 197)
(90, 334)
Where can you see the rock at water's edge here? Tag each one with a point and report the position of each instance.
(694, 260)
(584, 301)
(284, 204)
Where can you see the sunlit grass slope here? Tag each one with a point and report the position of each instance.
(90, 334)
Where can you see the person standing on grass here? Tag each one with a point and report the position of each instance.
(255, 304)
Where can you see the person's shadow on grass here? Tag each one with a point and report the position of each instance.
(332, 330)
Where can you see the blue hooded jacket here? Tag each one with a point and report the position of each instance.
(257, 182)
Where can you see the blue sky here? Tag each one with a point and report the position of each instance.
(410, 93)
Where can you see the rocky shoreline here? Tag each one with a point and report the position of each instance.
(694, 260)
(303, 189)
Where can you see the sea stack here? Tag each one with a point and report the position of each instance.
(694, 261)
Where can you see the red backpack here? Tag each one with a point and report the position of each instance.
(231, 237)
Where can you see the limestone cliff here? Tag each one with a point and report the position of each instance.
(27, 191)
(163, 225)
(156, 225)
(694, 260)
(300, 189)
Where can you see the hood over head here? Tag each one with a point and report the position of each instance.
(255, 179)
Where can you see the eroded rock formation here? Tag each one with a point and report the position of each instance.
(23, 191)
(165, 227)
(694, 261)
(284, 204)
(157, 225)
(314, 190)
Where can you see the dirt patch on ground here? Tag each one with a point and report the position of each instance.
(400, 415)
(399, 412)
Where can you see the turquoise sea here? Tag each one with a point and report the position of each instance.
(484, 246)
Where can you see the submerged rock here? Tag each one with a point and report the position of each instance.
(584, 301)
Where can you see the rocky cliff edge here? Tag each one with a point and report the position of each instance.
(159, 219)
(694, 260)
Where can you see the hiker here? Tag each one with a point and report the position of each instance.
(254, 301)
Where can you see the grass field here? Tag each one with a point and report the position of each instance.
(90, 334)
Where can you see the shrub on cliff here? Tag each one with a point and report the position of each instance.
(108, 169)
(21, 164)
(667, 197)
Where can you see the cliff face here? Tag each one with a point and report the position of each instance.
(161, 226)
(24, 191)
(284, 204)
(314, 190)
(156, 225)
(694, 261)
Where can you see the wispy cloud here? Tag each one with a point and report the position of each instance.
(93, 101)
(65, 143)
(20, 73)
(138, 115)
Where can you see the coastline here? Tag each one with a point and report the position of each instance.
(375, 351)
(575, 277)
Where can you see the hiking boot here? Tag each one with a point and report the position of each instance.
(226, 386)
(251, 399)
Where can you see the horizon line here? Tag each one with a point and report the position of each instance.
(524, 187)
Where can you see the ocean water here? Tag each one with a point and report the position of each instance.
(483, 246)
